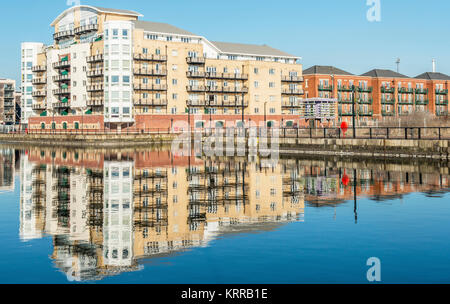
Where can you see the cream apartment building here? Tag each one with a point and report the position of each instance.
(107, 68)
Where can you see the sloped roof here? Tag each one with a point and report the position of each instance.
(158, 27)
(250, 49)
(378, 73)
(433, 76)
(116, 11)
(325, 70)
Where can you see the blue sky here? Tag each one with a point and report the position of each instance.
(324, 32)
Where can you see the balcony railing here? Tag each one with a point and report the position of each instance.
(95, 73)
(196, 60)
(325, 87)
(95, 58)
(365, 101)
(421, 91)
(365, 89)
(422, 102)
(150, 102)
(405, 102)
(38, 106)
(388, 101)
(291, 105)
(344, 88)
(61, 91)
(150, 87)
(365, 113)
(150, 72)
(39, 68)
(95, 88)
(61, 64)
(193, 74)
(95, 102)
(229, 76)
(387, 90)
(387, 113)
(217, 103)
(292, 92)
(63, 35)
(61, 105)
(86, 29)
(9, 88)
(39, 93)
(37, 81)
(147, 57)
(196, 88)
(441, 113)
(59, 78)
(285, 78)
(442, 102)
(9, 104)
(441, 91)
(405, 90)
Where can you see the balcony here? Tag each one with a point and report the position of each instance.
(61, 64)
(95, 58)
(196, 88)
(345, 113)
(343, 88)
(150, 87)
(387, 113)
(86, 29)
(326, 88)
(37, 81)
(95, 88)
(193, 74)
(196, 103)
(388, 101)
(291, 105)
(61, 105)
(405, 102)
(365, 89)
(64, 35)
(39, 68)
(387, 90)
(285, 78)
(442, 102)
(421, 91)
(39, 94)
(365, 113)
(9, 104)
(146, 72)
(441, 92)
(150, 102)
(65, 91)
(422, 102)
(38, 106)
(441, 113)
(146, 57)
(233, 89)
(95, 102)
(228, 76)
(195, 60)
(345, 100)
(365, 101)
(60, 78)
(95, 73)
(217, 103)
(292, 92)
(405, 90)
(9, 88)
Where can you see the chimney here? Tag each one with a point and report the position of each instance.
(434, 65)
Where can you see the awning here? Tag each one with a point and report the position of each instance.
(99, 38)
(89, 112)
(66, 58)
(64, 86)
(64, 100)
(64, 113)
(65, 72)
(43, 114)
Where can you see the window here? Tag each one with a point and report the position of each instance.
(115, 34)
(125, 34)
(271, 84)
(126, 80)
(174, 53)
(174, 81)
(77, 126)
(272, 71)
(256, 84)
(256, 70)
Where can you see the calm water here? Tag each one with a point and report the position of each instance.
(151, 217)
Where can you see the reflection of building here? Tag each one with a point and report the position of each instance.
(107, 211)
(7, 169)
(7, 102)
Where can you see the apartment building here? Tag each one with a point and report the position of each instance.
(7, 102)
(109, 69)
(378, 94)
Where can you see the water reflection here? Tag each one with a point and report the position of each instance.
(108, 210)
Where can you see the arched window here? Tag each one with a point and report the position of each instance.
(65, 125)
(77, 126)
(43, 126)
(53, 126)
